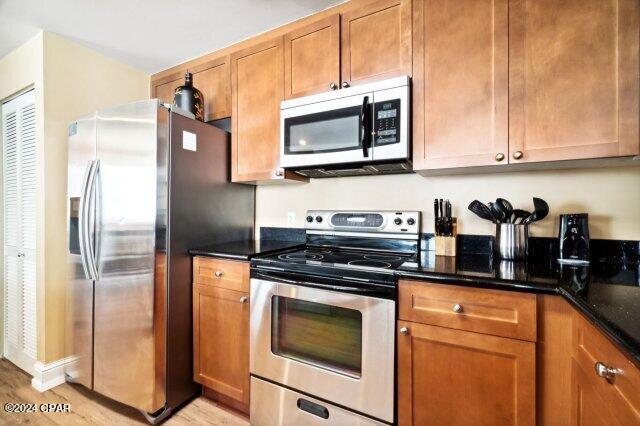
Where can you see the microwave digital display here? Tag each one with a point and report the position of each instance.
(387, 122)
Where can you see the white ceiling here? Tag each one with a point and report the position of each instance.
(150, 35)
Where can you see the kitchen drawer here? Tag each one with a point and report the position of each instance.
(275, 405)
(495, 312)
(228, 274)
(621, 392)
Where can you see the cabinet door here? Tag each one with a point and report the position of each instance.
(164, 91)
(588, 407)
(213, 79)
(376, 41)
(256, 92)
(573, 79)
(453, 377)
(312, 58)
(221, 341)
(460, 83)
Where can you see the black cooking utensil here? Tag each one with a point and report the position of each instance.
(497, 213)
(540, 210)
(506, 207)
(520, 215)
(481, 210)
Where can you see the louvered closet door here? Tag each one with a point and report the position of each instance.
(19, 178)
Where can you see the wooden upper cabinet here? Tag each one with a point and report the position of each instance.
(312, 58)
(460, 83)
(213, 79)
(164, 92)
(453, 377)
(376, 41)
(256, 91)
(573, 79)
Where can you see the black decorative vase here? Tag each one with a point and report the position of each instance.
(189, 98)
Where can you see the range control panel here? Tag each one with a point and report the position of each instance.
(395, 222)
(387, 122)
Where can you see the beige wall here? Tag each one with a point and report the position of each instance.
(77, 81)
(611, 196)
(19, 70)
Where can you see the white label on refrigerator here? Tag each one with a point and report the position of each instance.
(189, 141)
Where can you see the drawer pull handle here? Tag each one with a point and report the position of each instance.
(457, 308)
(606, 372)
(243, 299)
(218, 274)
(404, 330)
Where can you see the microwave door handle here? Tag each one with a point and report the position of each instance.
(365, 119)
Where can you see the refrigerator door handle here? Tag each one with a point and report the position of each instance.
(91, 221)
(82, 219)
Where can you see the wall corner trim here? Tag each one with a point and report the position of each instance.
(49, 375)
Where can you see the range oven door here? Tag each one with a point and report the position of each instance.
(335, 346)
(327, 132)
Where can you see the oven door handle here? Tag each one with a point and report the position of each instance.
(365, 123)
(315, 285)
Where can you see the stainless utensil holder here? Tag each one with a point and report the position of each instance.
(512, 241)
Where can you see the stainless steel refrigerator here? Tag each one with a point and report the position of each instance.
(145, 184)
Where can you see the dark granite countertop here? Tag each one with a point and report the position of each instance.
(243, 250)
(607, 293)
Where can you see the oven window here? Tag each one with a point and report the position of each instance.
(330, 131)
(326, 336)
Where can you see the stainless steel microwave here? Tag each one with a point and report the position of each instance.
(357, 130)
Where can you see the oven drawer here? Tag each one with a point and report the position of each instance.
(495, 312)
(229, 274)
(273, 405)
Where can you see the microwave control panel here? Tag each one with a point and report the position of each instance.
(387, 122)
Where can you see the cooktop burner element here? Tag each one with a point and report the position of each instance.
(305, 255)
(369, 263)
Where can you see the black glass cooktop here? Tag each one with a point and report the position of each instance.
(343, 259)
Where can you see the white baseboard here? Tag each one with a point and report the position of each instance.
(49, 375)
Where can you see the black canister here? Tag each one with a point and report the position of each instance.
(189, 98)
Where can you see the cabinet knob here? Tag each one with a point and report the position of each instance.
(20, 254)
(218, 274)
(333, 86)
(457, 308)
(244, 299)
(518, 155)
(345, 84)
(499, 156)
(404, 330)
(606, 372)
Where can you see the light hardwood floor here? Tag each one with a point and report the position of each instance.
(90, 408)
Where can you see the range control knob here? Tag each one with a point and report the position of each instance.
(397, 221)
(411, 221)
(309, 219)
(318, 219)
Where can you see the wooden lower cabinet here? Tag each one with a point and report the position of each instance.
(588, 407)
(221, 330)
(221, 337)
(454, 377)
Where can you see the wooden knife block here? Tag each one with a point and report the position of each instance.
(446, 246)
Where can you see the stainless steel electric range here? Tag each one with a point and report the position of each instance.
(323, 320)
